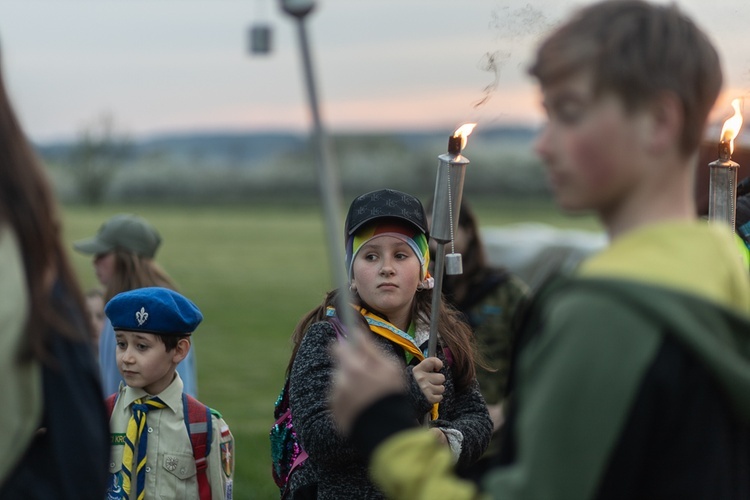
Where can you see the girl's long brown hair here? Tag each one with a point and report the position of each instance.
(133, 271)
(28, 208)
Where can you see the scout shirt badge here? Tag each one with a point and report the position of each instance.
(227, 451)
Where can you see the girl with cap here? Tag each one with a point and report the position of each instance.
(124, 250)
(390, 287)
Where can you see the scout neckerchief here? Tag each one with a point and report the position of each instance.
(134, 435)
(387, 330)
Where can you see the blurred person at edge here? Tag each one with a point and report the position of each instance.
(55, 438)
(124, 250)
(487, 297)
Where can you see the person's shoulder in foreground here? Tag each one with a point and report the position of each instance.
(642, 358)
(153, 326)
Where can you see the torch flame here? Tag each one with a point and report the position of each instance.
(463, 132)
(732, 126)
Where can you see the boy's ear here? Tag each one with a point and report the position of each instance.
(667, 121)
(181, 350)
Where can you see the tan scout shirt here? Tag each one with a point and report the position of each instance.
(170, 465)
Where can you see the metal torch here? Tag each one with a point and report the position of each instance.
(722, 191)
(449, 186)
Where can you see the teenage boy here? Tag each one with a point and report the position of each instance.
(631, 377)
(160, 434)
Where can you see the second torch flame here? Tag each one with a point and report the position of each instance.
(732, 126)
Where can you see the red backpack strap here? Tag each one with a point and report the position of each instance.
(109, 403)
(198, 423)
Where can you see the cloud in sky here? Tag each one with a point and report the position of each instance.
(159, 65)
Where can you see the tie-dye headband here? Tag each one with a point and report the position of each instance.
(410, 235)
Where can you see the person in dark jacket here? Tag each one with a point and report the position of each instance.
(55, 439)
(631, 376)
(488, 298)
(387, 260)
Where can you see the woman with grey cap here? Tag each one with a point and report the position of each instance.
(387, 258)
(124, 249)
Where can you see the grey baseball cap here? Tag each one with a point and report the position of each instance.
(124, 231)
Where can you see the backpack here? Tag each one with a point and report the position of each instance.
(286, 451)
(198, 425)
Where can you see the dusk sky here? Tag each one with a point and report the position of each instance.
(174, 65)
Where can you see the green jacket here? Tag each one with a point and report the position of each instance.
(589, 352)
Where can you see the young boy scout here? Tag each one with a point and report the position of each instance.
(156, 429)
(632, 376)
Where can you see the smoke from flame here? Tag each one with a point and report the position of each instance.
(492, 62)
(511, 27)
(732, 126)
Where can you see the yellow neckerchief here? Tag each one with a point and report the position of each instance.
(389, 331)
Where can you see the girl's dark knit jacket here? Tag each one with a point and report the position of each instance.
(337, 468)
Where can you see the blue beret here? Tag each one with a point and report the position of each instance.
(153, 310)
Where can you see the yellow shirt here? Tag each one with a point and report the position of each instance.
(170, 465)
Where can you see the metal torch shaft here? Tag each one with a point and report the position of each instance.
(330, 189)
(436, 296)
(722, 196)
(446, 204)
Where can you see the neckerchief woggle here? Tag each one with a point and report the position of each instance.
(387, 330)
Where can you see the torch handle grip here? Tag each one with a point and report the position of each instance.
(437, 295)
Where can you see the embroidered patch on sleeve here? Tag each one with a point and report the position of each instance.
(227, 450)
(227, 458)
(118, 439)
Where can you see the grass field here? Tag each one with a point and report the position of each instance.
(253, 271)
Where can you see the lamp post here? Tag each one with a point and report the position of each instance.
(328, 180)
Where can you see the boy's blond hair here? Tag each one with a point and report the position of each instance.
(638, 51)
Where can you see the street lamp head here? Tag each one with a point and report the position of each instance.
(297, 8)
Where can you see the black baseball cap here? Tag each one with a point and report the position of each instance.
(385, 203)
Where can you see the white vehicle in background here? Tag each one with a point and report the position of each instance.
(534, 251)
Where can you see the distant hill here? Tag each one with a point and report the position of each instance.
(421, 139)
(248, 149)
